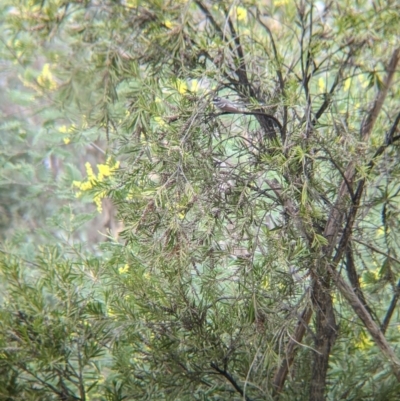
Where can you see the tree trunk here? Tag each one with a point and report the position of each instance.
(325, 336)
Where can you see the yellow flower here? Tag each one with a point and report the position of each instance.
(45, 79)
(63, 129)
(181, 86)
(241, 13)
(98, 200)
(347, 84)
(89, 171)
(124, 269)
(380, 232)
(105, 170)
(160, 121)
(111, 312)
(85, 186)
(321, 85)
(364, 342)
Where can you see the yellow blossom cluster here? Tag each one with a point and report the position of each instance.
(67, 130)
(104, 170)
(45, 79)
(364, 342)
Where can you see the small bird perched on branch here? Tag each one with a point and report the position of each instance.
(230, 107)
(227, 106)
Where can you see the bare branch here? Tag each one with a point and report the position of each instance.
(281, 374)
(354, 280)
(231, 380)
(278, 73)
(337, 214)
(369, 123)
(328, 96)
(391, 309)
(365, 317)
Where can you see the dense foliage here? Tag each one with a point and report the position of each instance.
(157, 247)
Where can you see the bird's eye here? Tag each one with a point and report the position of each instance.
(216, 99)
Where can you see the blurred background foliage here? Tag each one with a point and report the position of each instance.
(145, 252)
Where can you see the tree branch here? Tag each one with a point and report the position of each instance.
(354, 280)
(365, 317)
(282, 372)
(337, 213)
(391, 309)
(369, 123)
(376, 250)
(328, 96)
(255, 113)
(224, 373)
(278, 73)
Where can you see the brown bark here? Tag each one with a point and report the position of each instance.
(325, 333)
(282, 372)
(369, 324)
(325, 318)
(337, 214)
